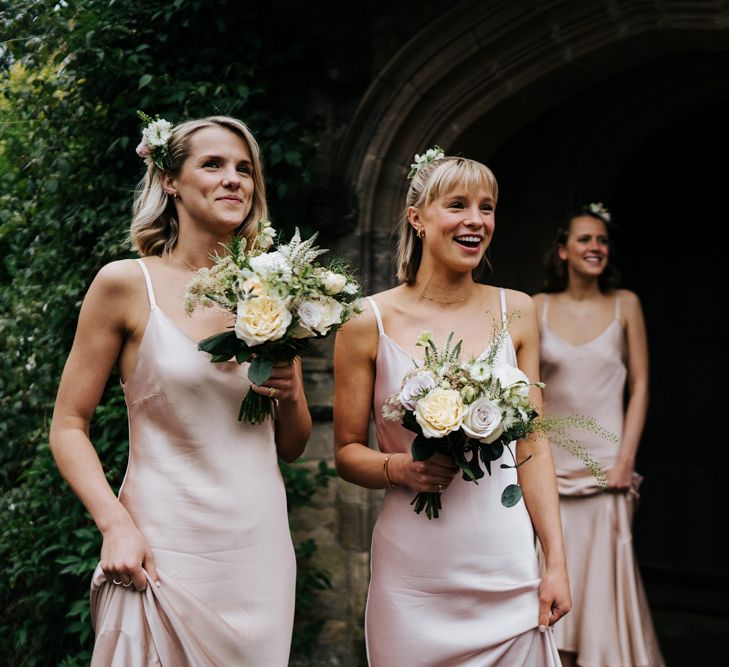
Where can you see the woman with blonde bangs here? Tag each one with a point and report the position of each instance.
(463, 590)
(197, 565)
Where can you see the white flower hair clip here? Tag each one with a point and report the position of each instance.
(599, 209)
(431, 155)
(154, 146)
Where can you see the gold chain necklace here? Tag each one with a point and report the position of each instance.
(430, 298)
(189, 265)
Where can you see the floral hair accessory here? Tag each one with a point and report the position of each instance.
(599, 209)
(154, 146)
(431, 155)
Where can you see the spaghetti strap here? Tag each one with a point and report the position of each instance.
(545, 309)
(376, 311)
(502, 297)
(617, 305)
(148, 280)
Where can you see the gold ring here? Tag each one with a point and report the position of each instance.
(271, 392)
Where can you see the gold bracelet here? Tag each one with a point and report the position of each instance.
(388, 482)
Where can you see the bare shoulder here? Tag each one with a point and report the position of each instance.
(628, 299)
(389, 296)
(117, 297)
(539, 299)
(360, 334)
(520, 302)
(118, 279)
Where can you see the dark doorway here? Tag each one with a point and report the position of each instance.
(653, 144)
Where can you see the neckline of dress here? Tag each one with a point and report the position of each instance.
(578, 345)
(154, 308)
(420, 361)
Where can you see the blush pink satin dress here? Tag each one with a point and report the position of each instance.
(610, 623)
(461, 590)
(206, 492)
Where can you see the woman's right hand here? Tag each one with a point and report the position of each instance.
(125, 555)
(432, 475)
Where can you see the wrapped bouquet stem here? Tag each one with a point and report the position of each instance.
(280, 298)
(472, 411)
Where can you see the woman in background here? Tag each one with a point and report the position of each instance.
(593, 341)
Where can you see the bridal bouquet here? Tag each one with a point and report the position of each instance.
(472, 411)
(280, 298)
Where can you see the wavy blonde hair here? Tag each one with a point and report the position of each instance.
(155, 227)
(430, 182)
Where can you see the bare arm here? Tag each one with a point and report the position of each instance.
(354, 380)
(537, 477)
(619, 477)
(98, 342)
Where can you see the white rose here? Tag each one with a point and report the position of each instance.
(333, 282)
(261, 319)
(440, 412)
(483, 421)
(511, 375)
(416, 385)
(318, 316)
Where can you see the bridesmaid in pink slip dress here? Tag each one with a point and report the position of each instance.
(197, 566)
(463, 590)
(593, 340)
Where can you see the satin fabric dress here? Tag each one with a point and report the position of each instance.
(205, 490)
(460, 590)
(610, 623)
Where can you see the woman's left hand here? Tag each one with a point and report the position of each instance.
(619, 478)
(554, 597)
(284, 384)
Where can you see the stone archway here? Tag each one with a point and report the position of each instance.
(502, 61)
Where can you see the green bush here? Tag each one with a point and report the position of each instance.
(74, 74)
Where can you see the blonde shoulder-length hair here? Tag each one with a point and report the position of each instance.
(431, 182)
(155, 227)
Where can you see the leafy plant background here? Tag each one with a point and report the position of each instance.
(73, 75)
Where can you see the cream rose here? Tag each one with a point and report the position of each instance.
(333, 282)
(440, 412)
(416, 385)
(317, 317)
(261, 319)
(482, 421)
(509, 376)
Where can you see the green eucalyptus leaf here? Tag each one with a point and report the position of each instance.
(511, 495)
(222, 346)
(260, 370)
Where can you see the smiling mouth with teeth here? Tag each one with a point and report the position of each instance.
(469, 241)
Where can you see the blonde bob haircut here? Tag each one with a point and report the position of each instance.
(155, 228)
(432, 181)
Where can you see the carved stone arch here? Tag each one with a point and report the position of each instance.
(520, 58)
